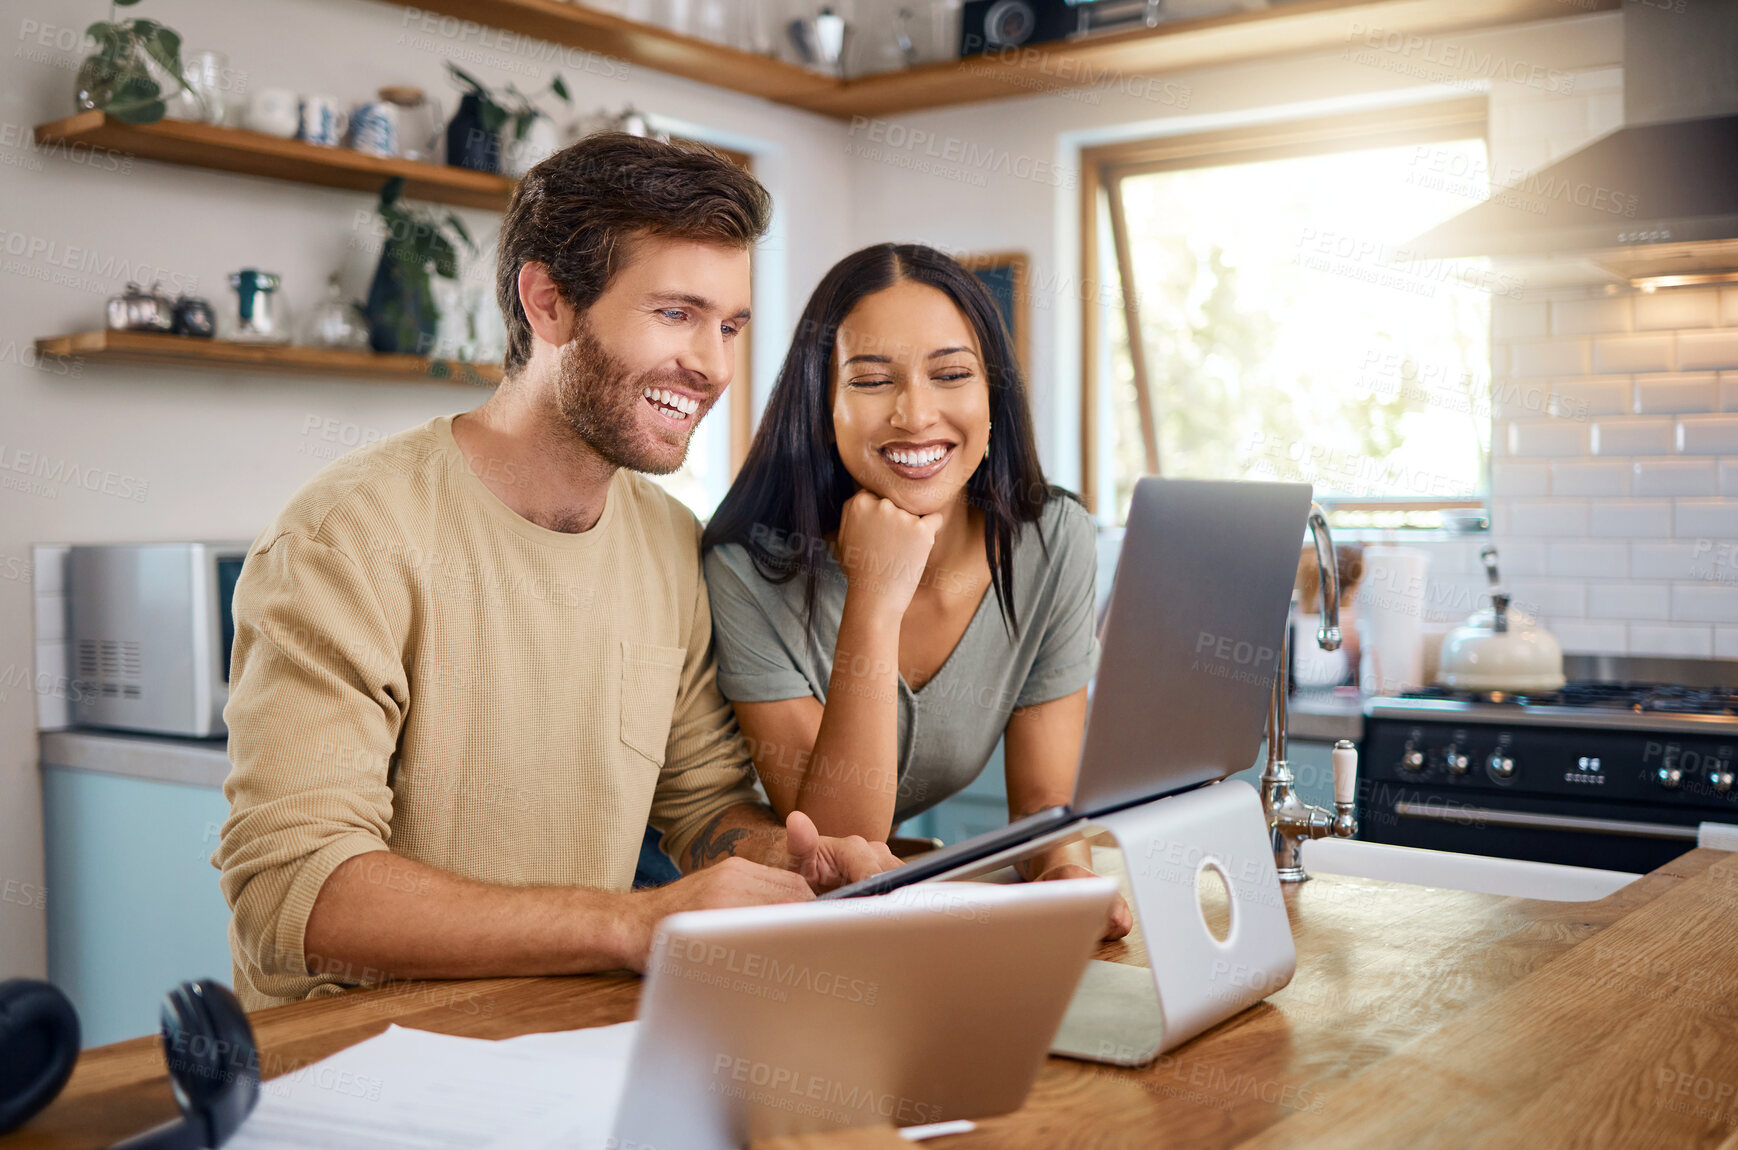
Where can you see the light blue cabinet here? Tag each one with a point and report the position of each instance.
(133, 901)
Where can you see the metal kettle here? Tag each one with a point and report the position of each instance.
(1500, 648)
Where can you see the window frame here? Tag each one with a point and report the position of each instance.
(1104, 167)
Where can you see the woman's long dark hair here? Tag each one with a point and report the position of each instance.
(793, 485)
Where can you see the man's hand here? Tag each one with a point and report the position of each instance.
(828, 862)
(733, 882)
(751, 831)
(1121, 920)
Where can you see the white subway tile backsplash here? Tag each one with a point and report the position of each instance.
(1705, 603)
(1601, 315)
(1664, 560)
(1708, 434)
(1630, 519)
(1511, 479)
(1632, 353)
(1590, 477)
(1580, 398)
(1704, 349)
(1675, 477)
(1589, 638)
(1635, 436)
(1560, 598)
(1674, 640)
(1548, 438)
(1519, 557)
(1548, 517)
(1619, 549)
(1531, 359)
(1589, 560)
(1521, 399)
(1451, 598)
(1519, 319)
(1629, 601)
(1677, 307)
(1706, 519)
(1696, 392)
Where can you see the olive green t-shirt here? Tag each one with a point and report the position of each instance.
(950, 726)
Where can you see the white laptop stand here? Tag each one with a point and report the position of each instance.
(1128, 1015)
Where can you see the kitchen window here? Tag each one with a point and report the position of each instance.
(1286, 330)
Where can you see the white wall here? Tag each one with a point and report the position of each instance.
(1006, 174)
(216, 454)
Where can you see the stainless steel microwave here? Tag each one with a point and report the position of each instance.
(151, 626)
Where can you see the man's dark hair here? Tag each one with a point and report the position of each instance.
(579, 212)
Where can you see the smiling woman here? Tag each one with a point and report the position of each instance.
(895, 472)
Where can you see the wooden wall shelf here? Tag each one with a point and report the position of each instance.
(1289, 27)
(256, 154)
(149, 348)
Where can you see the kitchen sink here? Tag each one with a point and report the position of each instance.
(1551, 882)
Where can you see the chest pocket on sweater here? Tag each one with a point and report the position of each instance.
(651, 677)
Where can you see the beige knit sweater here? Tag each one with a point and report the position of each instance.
(419, 669)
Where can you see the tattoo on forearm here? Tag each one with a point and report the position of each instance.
(712, 843)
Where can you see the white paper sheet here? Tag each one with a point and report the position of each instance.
(416, 1090)
(422, 1091)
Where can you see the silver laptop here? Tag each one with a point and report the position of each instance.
(1190, 643)
(762, 1022)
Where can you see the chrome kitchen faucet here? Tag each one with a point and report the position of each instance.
(1291, 821)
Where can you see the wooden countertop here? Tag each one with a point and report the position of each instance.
(1417, 1018)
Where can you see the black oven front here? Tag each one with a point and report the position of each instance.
(1622, 799)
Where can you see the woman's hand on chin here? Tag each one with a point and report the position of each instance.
(883, 549)
(1121, 920)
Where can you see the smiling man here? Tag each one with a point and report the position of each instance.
(473, 659)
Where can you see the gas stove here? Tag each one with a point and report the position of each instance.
(1612, 773)
(1585, 704)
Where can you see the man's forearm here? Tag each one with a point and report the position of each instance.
(400, 918)
(747, 830)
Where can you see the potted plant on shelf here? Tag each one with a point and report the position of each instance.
(491, 126)
(402, 316)
(534, 137)
(119, 79)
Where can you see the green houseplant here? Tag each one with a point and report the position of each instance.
(117, 78)
(402, 316)
(477, 137)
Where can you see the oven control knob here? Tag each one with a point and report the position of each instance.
(1669, 777)
(1720, 778)
(1455, 761)
(1501, 765)
(1412, 760)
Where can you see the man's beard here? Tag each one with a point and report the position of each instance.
(600, 399)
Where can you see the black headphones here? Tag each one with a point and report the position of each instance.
(39, 1042)
(207, 1042)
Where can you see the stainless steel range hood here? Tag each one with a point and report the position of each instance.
(1655, 202)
